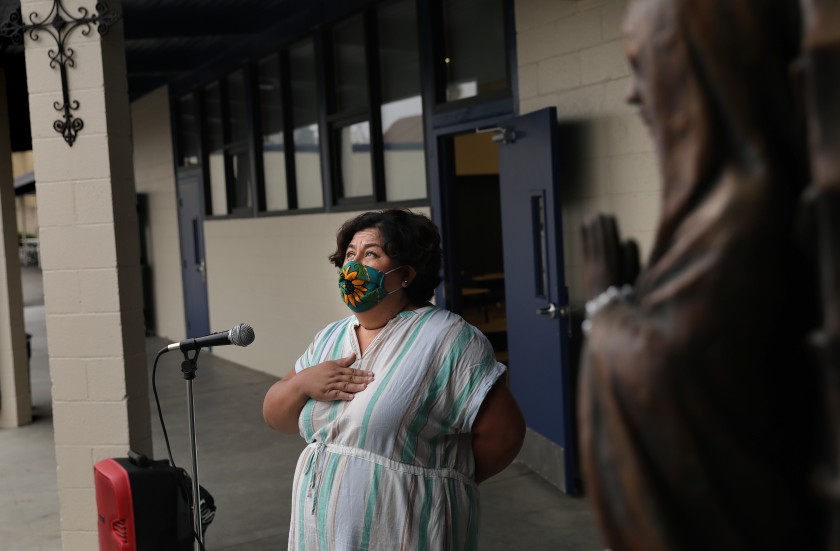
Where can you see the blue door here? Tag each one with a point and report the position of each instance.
(193, 265)
(535, 285)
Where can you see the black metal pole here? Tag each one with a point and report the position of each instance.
(188, 368)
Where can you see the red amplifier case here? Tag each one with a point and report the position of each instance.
(142, 506)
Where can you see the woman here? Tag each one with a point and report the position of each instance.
(402, 403)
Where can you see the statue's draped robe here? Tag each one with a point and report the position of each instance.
(700, 406)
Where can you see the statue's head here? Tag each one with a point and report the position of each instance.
(712, 79)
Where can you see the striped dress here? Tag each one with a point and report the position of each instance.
(393, 468)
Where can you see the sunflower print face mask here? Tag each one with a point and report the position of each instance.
(361, 286)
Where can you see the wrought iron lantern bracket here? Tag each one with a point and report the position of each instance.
(60, 24)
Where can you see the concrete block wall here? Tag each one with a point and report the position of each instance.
(90, 266)
(570, 55)
(154, 175)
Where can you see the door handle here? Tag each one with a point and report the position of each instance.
(550, 311)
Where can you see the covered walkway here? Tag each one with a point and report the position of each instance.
(247, 467)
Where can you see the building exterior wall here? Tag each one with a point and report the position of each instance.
(570, 55)
(273, 274)
(154, 175)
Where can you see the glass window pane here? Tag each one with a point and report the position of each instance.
(213, 116)
(398, 51)
(476, 60)
(350, 67)
(271, 112)
(188, 134)
(402, 109)
(241, 173)
(238, 106)
(305, 123)
(354, 150)
(405, 161)
(218, 183)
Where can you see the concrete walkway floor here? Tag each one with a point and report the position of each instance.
(245, 466)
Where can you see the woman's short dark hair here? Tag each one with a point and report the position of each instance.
(409, 238)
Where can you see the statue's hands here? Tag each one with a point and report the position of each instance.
(606, 260)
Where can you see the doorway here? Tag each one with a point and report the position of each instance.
(477, 282)
(193, 265)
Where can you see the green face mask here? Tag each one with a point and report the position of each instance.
(362, 287)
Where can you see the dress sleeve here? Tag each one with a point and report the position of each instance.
(306, 359)
(477, 372)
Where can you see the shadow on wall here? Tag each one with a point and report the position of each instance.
(573, 156)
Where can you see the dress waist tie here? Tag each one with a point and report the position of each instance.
(318, 462)
(317, 458)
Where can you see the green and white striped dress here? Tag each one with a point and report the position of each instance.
(393, 468)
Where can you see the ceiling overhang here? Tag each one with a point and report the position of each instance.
(172, 41)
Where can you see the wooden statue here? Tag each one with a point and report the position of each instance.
(707, 421)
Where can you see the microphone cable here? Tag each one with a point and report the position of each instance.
(186, 491)
(157, 403)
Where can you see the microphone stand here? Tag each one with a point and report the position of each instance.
(188, 368)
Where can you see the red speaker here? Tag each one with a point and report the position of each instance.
(142, 505)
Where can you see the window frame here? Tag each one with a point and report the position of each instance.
(437, 113)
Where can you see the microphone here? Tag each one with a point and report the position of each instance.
(240, 335)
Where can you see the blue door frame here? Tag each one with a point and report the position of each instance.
(541, 377)
(193, 264)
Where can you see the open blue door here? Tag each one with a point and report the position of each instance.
(535, 284)
(193, 266)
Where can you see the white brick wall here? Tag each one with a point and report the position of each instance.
(88, 238)
(154, 174)
(570, 55)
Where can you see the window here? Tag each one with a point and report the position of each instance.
(271, 118)
(402, 107)
(230, 172)
(215, 147)
(239, 151)
(350, 65)
(307, 153)
(351, 112)
(353, 91)
(475, 54)
(377, 112)
(353, 146)
(188, 136)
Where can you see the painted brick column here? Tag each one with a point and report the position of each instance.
(91, 263)
(15, 398)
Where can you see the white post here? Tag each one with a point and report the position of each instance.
(90, 263)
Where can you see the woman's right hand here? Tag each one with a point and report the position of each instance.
(334, 380)
(327, 381)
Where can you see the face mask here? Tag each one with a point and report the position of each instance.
(361, 286)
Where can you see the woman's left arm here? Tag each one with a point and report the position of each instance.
(497, 432)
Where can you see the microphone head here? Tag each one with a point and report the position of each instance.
(242, 335)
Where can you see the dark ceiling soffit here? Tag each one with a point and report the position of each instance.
(290, 26)
(185, 43)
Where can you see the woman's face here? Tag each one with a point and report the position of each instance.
(366, 247)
